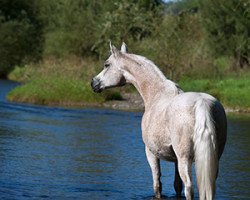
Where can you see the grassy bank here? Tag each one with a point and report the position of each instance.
(67, 83)
(54, 82)
(233, 92)
(55, 90)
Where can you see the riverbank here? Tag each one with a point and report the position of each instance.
(67, 84)
(129, 102)
(134, 102)
(124, 100)
(62, 83)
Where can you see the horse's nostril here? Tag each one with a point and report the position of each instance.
(96, 85)
(92, 83)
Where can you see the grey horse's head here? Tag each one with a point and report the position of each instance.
(113, 70)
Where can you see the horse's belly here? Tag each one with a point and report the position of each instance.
(165, 152)
(159, 143)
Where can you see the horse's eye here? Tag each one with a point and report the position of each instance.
(106, 65)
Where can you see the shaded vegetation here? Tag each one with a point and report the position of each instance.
(181, 36)
(21, 34)
(227, 25)
(187, 39)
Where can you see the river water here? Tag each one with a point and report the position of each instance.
(58, 153)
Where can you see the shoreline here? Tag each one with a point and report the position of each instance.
(73, 91)
(130, 102)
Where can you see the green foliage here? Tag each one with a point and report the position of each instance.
(19, 73)
(176, 46)
(84, 28)
(71, 30)
(21, 35)
(185, 38)
(189, 38)
(227, 24)
(127, 21)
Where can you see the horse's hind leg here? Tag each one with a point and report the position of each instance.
(185, 170)
(177, 181)
(154, 163)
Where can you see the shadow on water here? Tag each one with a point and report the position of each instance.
(57, 153)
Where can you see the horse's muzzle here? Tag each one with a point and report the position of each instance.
(96, 85)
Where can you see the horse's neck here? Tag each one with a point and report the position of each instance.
(149, 80)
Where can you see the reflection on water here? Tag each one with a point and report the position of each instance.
(57, 153)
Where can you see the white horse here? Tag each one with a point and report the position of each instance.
(177, 126)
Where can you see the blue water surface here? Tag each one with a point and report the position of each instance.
(59, 153)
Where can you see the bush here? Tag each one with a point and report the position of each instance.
(21, 35)
(177, 46)
(84, 28)
(127, 21)
(227, 25)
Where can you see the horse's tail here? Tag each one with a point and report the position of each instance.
(205, 149)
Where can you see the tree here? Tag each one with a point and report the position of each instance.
(21, 36)
(127, 21)
(84, 27)
(227, 25)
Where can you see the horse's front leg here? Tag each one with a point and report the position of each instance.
(177, 181)
(154, 163)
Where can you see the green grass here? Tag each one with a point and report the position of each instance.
(233, 92)
(55, 90)
(68, 83)
(54, 82)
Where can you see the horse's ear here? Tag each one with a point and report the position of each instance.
(124, 48)
(113, 49)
